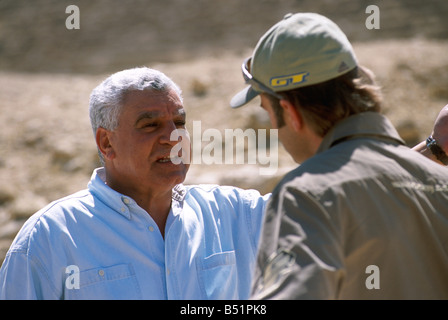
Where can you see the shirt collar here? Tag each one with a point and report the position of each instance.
(120, 202)
(366, 124)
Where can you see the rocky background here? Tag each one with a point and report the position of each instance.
(47, 73)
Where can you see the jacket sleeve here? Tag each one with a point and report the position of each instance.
(300, 253)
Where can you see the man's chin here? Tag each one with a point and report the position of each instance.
(177, 175)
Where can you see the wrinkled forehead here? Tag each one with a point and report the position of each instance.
(160, 114)
(153, 99)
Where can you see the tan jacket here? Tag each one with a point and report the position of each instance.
(365, 218)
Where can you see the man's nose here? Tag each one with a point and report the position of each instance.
(167, 134)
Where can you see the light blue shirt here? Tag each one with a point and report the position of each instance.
(99, 244)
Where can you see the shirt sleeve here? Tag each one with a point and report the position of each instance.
(21, 278)
(300, 254)
(255, 209)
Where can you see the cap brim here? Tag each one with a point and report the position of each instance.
(243, 97)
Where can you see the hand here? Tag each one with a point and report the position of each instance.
(440, 131)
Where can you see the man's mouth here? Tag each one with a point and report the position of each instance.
(169, 159)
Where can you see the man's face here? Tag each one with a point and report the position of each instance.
(292, 142)
(141, 143)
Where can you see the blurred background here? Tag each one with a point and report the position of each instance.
(47, 72)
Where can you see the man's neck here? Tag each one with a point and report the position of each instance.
(157, 207)
(157, 203)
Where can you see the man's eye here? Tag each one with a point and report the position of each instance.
(150, 125)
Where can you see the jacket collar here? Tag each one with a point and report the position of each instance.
(366, 124)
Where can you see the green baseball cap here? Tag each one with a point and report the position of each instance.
(301, 50)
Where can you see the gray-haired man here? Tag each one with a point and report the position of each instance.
(137, 232)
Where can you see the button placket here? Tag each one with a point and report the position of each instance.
(171, 259)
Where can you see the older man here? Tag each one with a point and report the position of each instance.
(137, 232)
(363, 216)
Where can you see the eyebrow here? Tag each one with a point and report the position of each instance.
(156, 114)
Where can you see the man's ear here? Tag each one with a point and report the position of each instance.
(292, 115)
(103, 142)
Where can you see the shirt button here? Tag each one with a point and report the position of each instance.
(101, 273)
(168, 271)
(123, 209)
(151, 228)
(126, 201)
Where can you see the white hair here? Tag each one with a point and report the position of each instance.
(107, 99)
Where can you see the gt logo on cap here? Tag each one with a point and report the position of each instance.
(287, 80)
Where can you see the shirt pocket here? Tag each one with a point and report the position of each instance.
(217, 276)
(117, 282)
